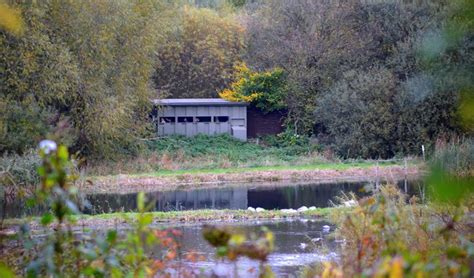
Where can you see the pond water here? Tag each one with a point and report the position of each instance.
(230, 197)
(295, 248)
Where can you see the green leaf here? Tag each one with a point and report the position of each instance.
(455, 252)
(141, 202)
(46, 219)
(63, 153)
(30, 202)
(221, 251)
(6, 272)
(111, 236)
(146, 219)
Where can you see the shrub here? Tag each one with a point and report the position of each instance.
(20, 170)
(224, 146)
(265, 90)
(386, 234)
(367, 114)
(358, 114)
(63, 253)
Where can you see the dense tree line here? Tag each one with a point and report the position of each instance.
(80, 70)
(369, 79)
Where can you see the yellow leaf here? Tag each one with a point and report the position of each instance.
(396, 271)
(10, 19)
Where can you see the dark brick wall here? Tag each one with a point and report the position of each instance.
(259, 123)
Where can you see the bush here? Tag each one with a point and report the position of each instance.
(202, 145)
(19, 170)
(264, 90)
(358, 114)
(62, 252)
(386, 234)
(366, 114)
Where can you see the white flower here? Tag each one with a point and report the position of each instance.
(48, 146)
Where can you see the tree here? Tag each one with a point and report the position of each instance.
(358, 113)
(85, 62)
(316, 42)
(265, 90)
(38, 79)
(198, 58)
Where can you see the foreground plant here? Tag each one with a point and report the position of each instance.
(232, 245)
(65, 252)
(387, 235)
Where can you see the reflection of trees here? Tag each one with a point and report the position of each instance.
(293, 196)
(18, 208)
(315, 195)
(232, 198)
(318, 195)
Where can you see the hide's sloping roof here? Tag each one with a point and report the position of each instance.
(197, 102)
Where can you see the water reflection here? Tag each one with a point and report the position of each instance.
(288, 256)
(236, 197)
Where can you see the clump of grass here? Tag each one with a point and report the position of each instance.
(456, 156)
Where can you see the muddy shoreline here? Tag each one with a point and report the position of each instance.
(123, 184)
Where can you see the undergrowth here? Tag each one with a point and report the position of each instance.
(207, 152)
(455, 156)
(19, 170)
(389, 235)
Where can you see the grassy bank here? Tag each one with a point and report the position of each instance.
(177, 161)
(255, 176)
(177, 217)
(343, 165)
(214, 152)
(181, 162)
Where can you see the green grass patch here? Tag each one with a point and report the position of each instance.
(210, 214)
(227, 146)
(320, 166)
(178, 155)
(186, 216)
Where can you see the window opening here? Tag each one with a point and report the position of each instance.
(185, 119)
(221, 119)
(164, 120)
(204, 119)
